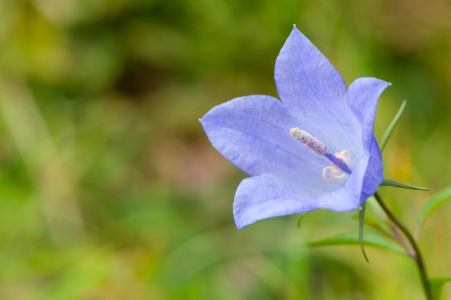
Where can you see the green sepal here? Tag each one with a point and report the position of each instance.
(361, 223)
(302, 215)
(391, 127)
(389, 182)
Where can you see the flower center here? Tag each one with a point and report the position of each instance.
(340, 160)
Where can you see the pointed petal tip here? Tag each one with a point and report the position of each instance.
(386, 83)
(295, 30)
(239, 224)
(240, 220)
(375, 79)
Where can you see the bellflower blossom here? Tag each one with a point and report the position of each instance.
(287, 146)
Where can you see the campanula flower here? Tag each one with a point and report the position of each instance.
(315, 149)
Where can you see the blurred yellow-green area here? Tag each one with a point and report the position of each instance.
(110, 189)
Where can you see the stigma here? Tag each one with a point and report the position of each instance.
(335, 171)
(340, 160)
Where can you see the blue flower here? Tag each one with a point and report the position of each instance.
(261, 136)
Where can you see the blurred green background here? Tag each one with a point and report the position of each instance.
(109, 188)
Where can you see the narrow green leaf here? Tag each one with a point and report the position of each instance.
(391, 127)
(389, 182)
(437, 286)
(430, 206)
(374, 217)
(361, 223)
(372, 240)
(374, 213)
(302, 215)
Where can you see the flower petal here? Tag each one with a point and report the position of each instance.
(266, 196)
(362, 98)
(303, 71)
(253, 133)
(309, 85)
(348, 197)
(374, 173)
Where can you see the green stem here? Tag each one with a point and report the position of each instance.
(419, 259)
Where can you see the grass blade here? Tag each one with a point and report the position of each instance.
(361, 223)
(437, 286)
(389, 182)
(371, 240)
(430, 206)
(391, 127)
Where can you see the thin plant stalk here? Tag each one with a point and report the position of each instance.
(419, 259)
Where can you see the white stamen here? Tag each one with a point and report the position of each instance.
(309, 141)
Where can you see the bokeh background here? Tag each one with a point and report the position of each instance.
(109, 188)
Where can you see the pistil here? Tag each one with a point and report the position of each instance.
(311, 142)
